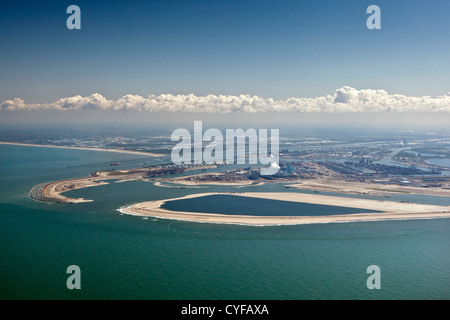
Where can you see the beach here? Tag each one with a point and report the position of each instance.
(390, 210)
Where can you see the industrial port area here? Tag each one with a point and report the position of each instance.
(418, 162)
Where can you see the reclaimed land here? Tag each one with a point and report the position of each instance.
(389, 210)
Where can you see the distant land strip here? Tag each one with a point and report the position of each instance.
(150, 154)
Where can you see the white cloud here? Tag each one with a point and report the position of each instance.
(345, 99)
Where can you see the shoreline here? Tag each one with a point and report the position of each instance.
(150, 154)
(390, 210)
(54, 191)
(122, 211)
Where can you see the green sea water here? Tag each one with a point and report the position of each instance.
(128, 257)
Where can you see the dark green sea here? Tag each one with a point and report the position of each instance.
(128, 257)
(235, 205)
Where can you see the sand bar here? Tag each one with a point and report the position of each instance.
(390, 210)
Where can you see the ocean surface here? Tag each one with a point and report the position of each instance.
(128, 257)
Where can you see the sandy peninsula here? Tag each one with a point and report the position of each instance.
(390, 210)
(54, 191)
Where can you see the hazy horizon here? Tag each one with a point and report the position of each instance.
(373, 121)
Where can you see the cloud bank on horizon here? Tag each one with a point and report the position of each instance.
(344, 100)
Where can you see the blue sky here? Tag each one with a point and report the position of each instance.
(273, 49)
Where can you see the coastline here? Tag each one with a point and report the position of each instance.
(390, 210)
(54, 191)
(150, 154)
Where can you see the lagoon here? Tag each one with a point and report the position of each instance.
(235, 205)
